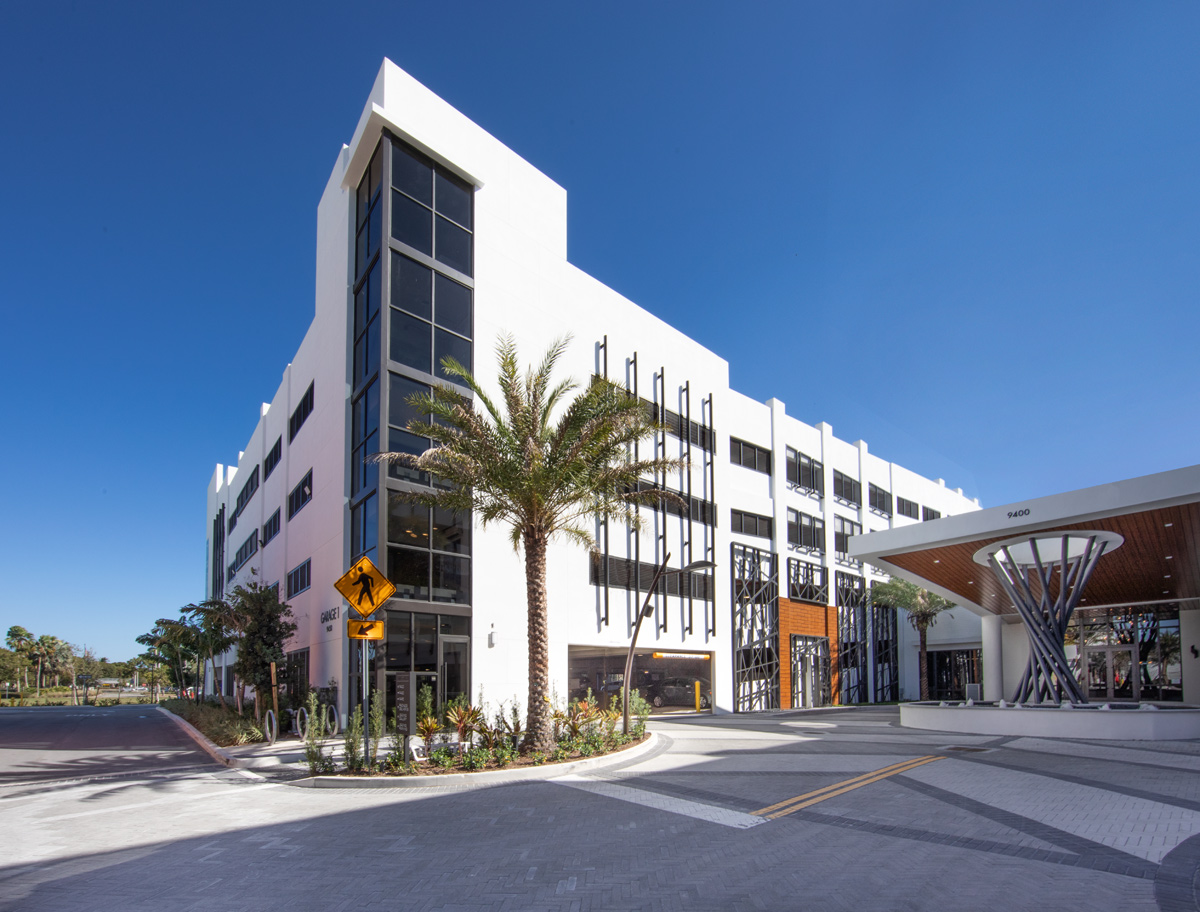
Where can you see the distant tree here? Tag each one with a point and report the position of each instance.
(65, 662)
(19, 640)
(922, 608)
(266, 625)
(10, 667)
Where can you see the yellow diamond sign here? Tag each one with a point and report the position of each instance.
(364, 630)
(365, 588)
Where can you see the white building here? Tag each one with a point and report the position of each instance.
(433, 238)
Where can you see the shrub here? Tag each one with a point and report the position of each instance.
(443, 757)
(222, 727)
(314, 753)
(352, 741)
(475, 758)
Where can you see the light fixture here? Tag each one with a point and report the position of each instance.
(1168, 576)
(1170, 557)
(1168, 525)
(936, 561)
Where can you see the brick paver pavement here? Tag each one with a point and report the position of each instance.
(995, 824)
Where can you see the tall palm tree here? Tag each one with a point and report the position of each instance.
(922, 608)
(19, 640)
(544, 466)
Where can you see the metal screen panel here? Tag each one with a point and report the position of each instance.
(755, 629)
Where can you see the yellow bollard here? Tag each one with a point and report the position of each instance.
(697, 696)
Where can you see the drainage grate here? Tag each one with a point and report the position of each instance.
(968, 750)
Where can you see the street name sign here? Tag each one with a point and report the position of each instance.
(365, 588)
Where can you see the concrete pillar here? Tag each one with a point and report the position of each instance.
(993, 658)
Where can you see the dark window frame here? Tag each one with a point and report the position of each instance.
(846, 489)
(303, 409)
(804, 472)
(299, 579)
(906, 507)
(746, 523)
(749, 455)
(273, 458)
(879, 500)
(299, 497)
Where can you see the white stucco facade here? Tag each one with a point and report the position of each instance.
(524, 286)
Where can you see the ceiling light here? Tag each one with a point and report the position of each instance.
(1168, 525)
(1170, 557)
(1167, 576)
(936, 561)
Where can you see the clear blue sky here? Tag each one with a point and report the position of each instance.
(985, 217)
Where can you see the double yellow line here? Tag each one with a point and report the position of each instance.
(800, 802)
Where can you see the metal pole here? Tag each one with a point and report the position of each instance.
(642, 612)
(366, 726)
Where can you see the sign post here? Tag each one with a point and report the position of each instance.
(366, 589)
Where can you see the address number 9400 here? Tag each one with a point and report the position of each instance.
(1013, 514)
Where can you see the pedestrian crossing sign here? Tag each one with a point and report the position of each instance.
(364, 587)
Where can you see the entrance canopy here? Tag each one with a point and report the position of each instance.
(1156, 516)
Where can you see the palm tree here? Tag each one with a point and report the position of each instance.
(19, 640)
(540, 474)
(922, 607)
(218, 627)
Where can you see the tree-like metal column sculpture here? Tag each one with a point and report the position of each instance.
(1045, 575)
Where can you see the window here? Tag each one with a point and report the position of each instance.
(749, 455)
(805, 472)
(368, 214)
(299, 579)
(908, 508)
(272, 459)
(846, 489)
(367, 296)
(880, 500)
(428, 552)
(247, 492)
(247, 550)
(806, 531)
(928, 513)
(400, 439)
(625, 573)
(271, 528)
(843, 530)
(431, 318)
(364, 527)
(364, 437)
(300, 415)
(432, 209)
(750, 523)
(301, 494)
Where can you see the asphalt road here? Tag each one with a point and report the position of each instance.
(59, 743)
(788, 811)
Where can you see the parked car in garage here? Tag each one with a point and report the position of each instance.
(680, 691)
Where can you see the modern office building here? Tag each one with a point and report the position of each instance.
(434, 239)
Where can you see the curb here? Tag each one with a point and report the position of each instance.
(481, 779)
(194, 733)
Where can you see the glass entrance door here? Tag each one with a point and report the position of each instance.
(1111, 672)
(810, 672)
(455, 664)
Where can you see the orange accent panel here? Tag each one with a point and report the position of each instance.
(805, 619)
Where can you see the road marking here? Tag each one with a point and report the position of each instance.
(791, 805)
(707, 812)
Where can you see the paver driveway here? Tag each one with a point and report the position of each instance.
(818, 810)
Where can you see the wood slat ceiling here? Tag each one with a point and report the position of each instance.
(1138, 571)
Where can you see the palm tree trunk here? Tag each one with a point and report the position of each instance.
(924, 660)
(212, 659)
(540, 733)
(39, 677)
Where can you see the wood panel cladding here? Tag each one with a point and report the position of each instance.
(805, 619)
